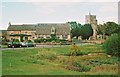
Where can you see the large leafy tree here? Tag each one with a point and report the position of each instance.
(81, 30)
(99, 29)
(75, 29)
(73, 24)
(108, 28)
(86, 31)
(111, 27)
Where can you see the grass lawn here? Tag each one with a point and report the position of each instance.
(52, 61)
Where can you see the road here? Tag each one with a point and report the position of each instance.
(37, 46)
(43, 46)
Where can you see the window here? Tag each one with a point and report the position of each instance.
(26, 38)
(11, 33)
(53, 30)
(40, 37)
(47, 36)
(18, 32)
(11, 38)
(64, 36)
(25, 32)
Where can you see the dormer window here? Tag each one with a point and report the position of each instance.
(53, 30)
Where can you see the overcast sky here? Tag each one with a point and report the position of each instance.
(22, 11)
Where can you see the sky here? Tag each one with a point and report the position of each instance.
(59, 11)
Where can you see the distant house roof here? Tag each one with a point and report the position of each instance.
(21, 27)
(42, 28)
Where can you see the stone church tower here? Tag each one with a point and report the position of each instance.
(91, 19)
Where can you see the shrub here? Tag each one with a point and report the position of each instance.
(49, 40)
(53, 36)
(39, 40)
(113, 60)
(45, 54)
(77, 66)
(29, 41)
(81, 67)
(15, 40)
(4, 41)
(58, 40)
(111, 45)
(74, 51)
(36, 41)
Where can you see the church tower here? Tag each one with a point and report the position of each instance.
(91, 19)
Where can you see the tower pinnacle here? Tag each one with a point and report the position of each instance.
(89, 13)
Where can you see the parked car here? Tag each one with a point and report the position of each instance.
(13, 44)
(23, 44)
(27, 44)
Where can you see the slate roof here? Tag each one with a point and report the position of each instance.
(21, 27)
(42, 28)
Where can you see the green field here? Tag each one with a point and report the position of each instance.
(53, 61)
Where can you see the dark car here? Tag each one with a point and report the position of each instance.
(13, 44)
(27, 44)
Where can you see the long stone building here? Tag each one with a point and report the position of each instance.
(44, 30)
(40, 30)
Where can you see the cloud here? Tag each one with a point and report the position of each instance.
(107, 8)
(2, 28)
(108, 11)
(47, 8)
(108, 18)
(44, 8)
(101, 0)
(60, 0)
(111, 18)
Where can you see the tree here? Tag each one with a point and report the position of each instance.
(75, 32)
(81, 30)
(53, 36)
(108, 28)
(99, 29)
(86, 31)
(73, 24)
(75, 29)
(111, 27)
(21, 37)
